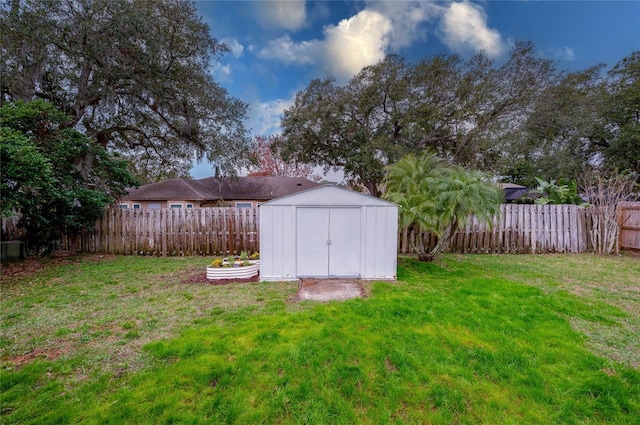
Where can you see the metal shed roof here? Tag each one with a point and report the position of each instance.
(329, 195)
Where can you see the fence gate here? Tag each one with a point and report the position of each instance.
(629, 221)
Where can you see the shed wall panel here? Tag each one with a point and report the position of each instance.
(278, 241)
(370, 241)
(345, 243)
(266, 242)
(312, 253)
(391, 243)
(380, 242)
(288, 247)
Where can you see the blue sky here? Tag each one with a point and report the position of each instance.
(279, 46)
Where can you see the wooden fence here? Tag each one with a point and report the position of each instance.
(629, 222)
(170, 232)
(519, 229)
(218, 231)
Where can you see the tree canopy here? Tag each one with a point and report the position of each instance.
(619, 139)
(132, 75)
(456, 108)
(519, 119)
(41, 178)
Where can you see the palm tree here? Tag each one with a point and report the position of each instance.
(437, 197)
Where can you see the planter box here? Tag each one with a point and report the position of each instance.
(12, 250)
(244, 272)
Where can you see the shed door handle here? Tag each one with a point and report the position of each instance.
(328, 241)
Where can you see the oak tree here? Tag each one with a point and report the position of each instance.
(465, 111)
(360, 127)
(553, 139)
(619, 136)
(132, 75)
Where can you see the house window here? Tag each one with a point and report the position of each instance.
(124, 206)
(136, 206)
(175, 205)
(154, 205)
(243, 205)
(189, 205)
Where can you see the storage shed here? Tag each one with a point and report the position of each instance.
(328, 232)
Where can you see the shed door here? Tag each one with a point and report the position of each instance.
(328, 242)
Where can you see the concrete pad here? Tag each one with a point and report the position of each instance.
(329, 289)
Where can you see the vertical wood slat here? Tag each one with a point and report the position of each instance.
(542, 223)
(508, 229)
(553, 232)
(574, 222)
(522, 234)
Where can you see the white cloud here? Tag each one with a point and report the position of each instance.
(288, 51)
(319, 10)
(356, 42)
(366, 37)
(407, 19)
(348, 47)
(283, 14)
(222, 73)
(563, 53)
(464, 27)
(224, 69)
(237, 49)
(264, 117)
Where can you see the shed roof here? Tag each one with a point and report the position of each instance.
(329, 195)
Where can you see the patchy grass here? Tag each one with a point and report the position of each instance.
(613, 280)
(104, 309)
(473, 339)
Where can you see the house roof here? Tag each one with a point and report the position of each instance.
(215, 189)
(173, 189)
(512, 186)
(257, 188)
(513, 191)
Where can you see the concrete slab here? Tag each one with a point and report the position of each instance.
(330, 289)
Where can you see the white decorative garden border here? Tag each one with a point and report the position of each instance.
(243, 272)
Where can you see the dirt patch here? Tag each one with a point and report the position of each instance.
(201, 278)
(14, 270)
(330, 289)
(47, 354)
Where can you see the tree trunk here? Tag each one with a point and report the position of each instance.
(372, 187)
(443, 241)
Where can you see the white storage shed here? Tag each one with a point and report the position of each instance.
(328, 232)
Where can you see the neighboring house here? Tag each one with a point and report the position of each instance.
(213, 192)
(513, 192)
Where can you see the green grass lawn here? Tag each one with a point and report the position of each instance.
(530, 339)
